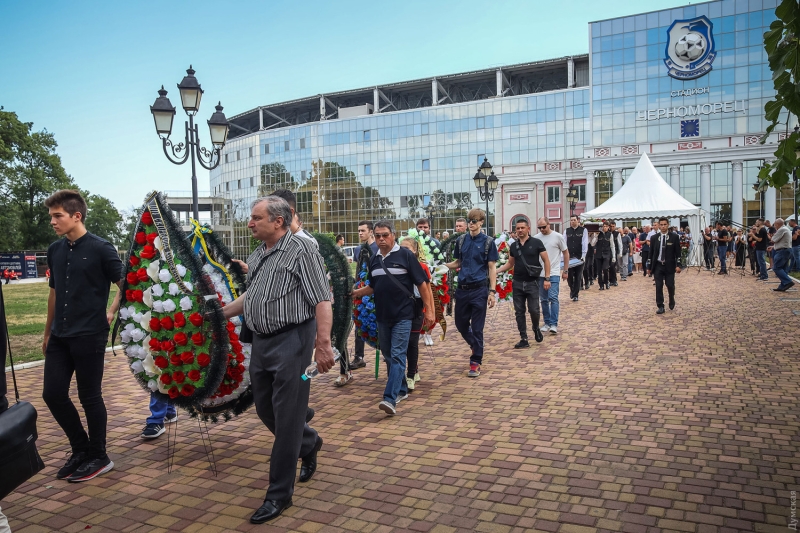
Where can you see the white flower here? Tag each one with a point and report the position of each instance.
(161, 387)
(152, 385)
(181, 270)
(137, 367)
(188, 285)
(125, 335)
(169, 306)
(158, 244)
(137, 335)
(207, 268)
(436, 250)
(137, 317)
(147, 297)
(164, 276)
(158, 306)
(174, 290)
(123, 313)
(152, 270)
(144, 321)
(132, 351)
(158, 291)
(186, 303)
(413, 232)
(150, 367)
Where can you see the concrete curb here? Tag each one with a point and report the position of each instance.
(34, 364)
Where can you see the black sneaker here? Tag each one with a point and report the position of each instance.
(171, 419)
(73, 463)
(523, 343)
(152, 431)
(358, 362)
(91, 469)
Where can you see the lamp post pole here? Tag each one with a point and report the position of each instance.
(794, 179)
(163, 114)
(572, 198)
(486, 183)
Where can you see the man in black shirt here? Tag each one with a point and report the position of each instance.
(761, 237)
(83, 267)
(578, 245)
(525, 286)
(722, 247)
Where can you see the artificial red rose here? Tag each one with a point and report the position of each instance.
(155, 345)
(168, 346)
(178, 376)
(198, 339)
(236, 345)
(225, 389)
(187, 358)
(160, 361)
(232, 335)
(187, 390)
(240, 358)
(142, 274)
(203, 359)
(173, 392)
(148, 251)
(196, 319)
(155, 325)
(355, 312)
(165, 379)
(134, 261)
(132, 278)
(180, 338)
(140, 238)
(167, 323)
(193, 375)
(179, 320)
(230, 327)
(175, 360)
(151, 237)
(137, 295)
(128, 295)
(147, 218)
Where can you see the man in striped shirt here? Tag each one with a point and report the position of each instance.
(287, 306)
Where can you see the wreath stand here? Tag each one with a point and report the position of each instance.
(172, 438)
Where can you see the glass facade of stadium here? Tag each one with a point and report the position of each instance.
(410, 149)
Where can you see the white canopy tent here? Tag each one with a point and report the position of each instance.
(646, 195)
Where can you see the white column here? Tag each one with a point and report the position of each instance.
(499, 82)
(570, 72)
(376, 101)
(435, 92)
(737, 193)
(675, 183)
(260, 119)
(770, 204)
(705, 189)
(616, 180)
(321, 107)
(590, 190)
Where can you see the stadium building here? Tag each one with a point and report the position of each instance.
(687, 86)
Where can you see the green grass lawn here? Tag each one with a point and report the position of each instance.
(26, 313)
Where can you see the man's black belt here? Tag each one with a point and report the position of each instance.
(284, 329)
(473, 286)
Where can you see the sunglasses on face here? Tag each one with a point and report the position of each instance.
(474, 221)
(382, 235)
(541, 227)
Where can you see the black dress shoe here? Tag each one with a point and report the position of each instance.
(309, 465)
(660, 310)
(537, 333)
(672, 305)
(269, 510)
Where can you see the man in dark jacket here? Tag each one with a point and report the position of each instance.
(665, 262)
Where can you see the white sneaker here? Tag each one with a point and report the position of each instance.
(545, 328)
(387, 408)
(553, 330)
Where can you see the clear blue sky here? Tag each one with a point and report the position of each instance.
(88, 70)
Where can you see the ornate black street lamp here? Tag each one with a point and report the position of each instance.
(486, 183)
(794, 179)
(163, 114)
(572, 198)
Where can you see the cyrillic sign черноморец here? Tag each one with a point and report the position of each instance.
(737, 106)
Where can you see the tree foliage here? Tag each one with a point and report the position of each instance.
(104, 220)
(782, 44)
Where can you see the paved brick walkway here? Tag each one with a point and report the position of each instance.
(624, 421)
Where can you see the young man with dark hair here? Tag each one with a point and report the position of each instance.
(424, 226)
(340, 240)
(461, 225)
(723, 237)
(578, 245)
(760, 236)
(366, 236)
(665, 262)
(83, 267)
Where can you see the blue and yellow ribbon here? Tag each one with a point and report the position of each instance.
(199, 245)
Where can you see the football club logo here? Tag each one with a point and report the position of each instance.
(690, 48)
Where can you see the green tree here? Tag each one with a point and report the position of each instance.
(104, 220)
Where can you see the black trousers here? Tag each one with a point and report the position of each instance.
(612, 270)
(663, 276)
(412, 353)
(525, 294)
(588, 267)
(708, 253)
(359, 349)
(645, 259)
(281, 400)
(574, 279)
(601, 265)
(85, 357)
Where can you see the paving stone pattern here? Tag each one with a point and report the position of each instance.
(624, 421)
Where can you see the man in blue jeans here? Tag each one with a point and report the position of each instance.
(760, 235)
(556, 247)
(723, 237)
(393, 273)
(161, 413)
(782, 253)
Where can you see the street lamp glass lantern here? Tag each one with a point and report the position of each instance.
(485, 168)
(493, 182)
(191, 93)
(218, 127)
(163, 112)
(479, 180)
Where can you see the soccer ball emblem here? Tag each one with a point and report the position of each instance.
(690, 46)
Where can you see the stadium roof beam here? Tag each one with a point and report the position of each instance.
(381, 96)
(436, 86)
(503, 85)
(280, 119)
(324, 101)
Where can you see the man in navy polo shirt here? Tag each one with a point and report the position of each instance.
(475, 254)
(395, 306)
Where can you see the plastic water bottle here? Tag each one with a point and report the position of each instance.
(312, 372)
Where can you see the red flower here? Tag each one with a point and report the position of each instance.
(142, 274)
(167, 323)
(155, 345)
(165, 379)
(198, 339)
(160, 361)
(193, 375)
(355, 312)
(168, 346)
(148, 252)
(230, 327)
(134, 260)
(147, 218)
(180, 338)
(140, 238)
(236, 345)
(173, 392)
(187, 390)
(175, 360)
(187, 358)
(129, 295)
(155, 325)
(132, 278)
(203, 359)
(151, 237)
(178, 376)
(137, 295)
(240, 358)
(179, 320)
(196, 319)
